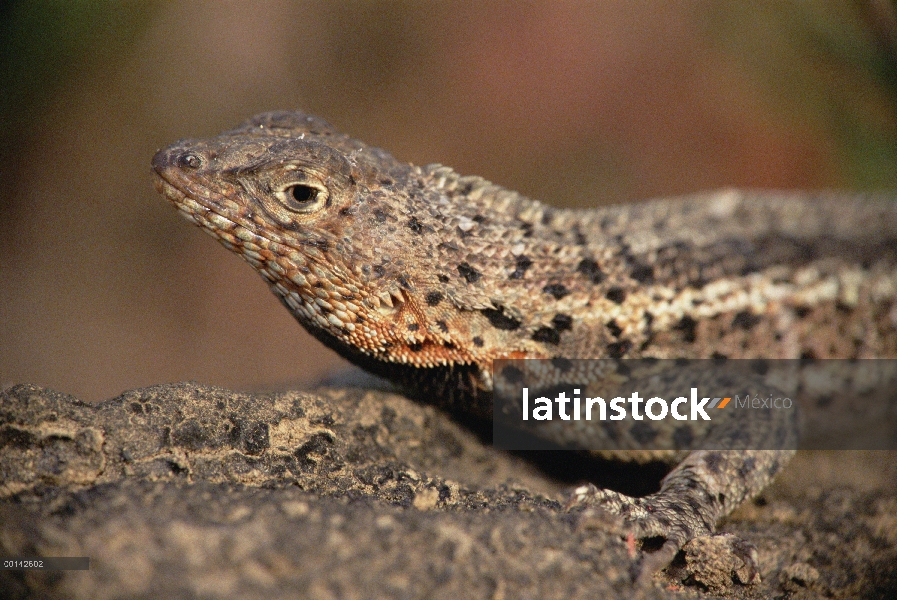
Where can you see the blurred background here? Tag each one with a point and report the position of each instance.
(103, 287)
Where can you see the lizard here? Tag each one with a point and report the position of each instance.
(425, 276)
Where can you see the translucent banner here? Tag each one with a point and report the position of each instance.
(660, 404)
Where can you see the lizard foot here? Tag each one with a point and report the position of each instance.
(666, 523)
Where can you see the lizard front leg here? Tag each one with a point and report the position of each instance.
(692, 498)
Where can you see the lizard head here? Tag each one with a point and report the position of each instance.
(343, 233)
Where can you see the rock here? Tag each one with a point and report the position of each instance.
(185, 490)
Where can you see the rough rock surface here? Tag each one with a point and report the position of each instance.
(185, 490)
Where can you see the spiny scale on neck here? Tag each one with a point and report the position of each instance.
(424, 275)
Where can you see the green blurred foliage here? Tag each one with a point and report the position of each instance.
(44, 45)
(832, 63)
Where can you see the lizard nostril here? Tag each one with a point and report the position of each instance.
(189, 160)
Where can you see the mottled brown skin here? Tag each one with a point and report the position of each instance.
(425, 276)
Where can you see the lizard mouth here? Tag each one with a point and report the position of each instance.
(200, 208)
(193, 208)
(199, 204)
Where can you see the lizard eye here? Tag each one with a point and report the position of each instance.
(302, 198)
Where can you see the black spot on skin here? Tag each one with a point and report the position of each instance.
(500, 320)
(643, 433)
(618, 349)
(698, 283)
(442, 278)
(379, 271)
(642, 273)
(442, 325)
(561, 364)
(580, 237)
(759, 366)
(616, 294)
(433, 298)
(719, 356)
(547, 216)
(415, 347)
(713, 460)
(562, 322)
(386, 181)
(745, 320)
(380, 215)
(345, 212)
(647, 343)
(683, 436)
(322, 245)
(802, 311)
(557, 290)
(403, 281)
(478, 219)
(413, 326)
(547, 335)
(527, 229)
(843, 308)
(512, 374)
(469, 273)
(808, 355)
(747, 467)
(649, 320)
(415, 225)
(521, 265)
(688, 327)
(477, 341)
(748, 268)
(590, 269)
(615, 330)
(448, 345)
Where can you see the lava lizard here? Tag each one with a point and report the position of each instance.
(425, 276)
